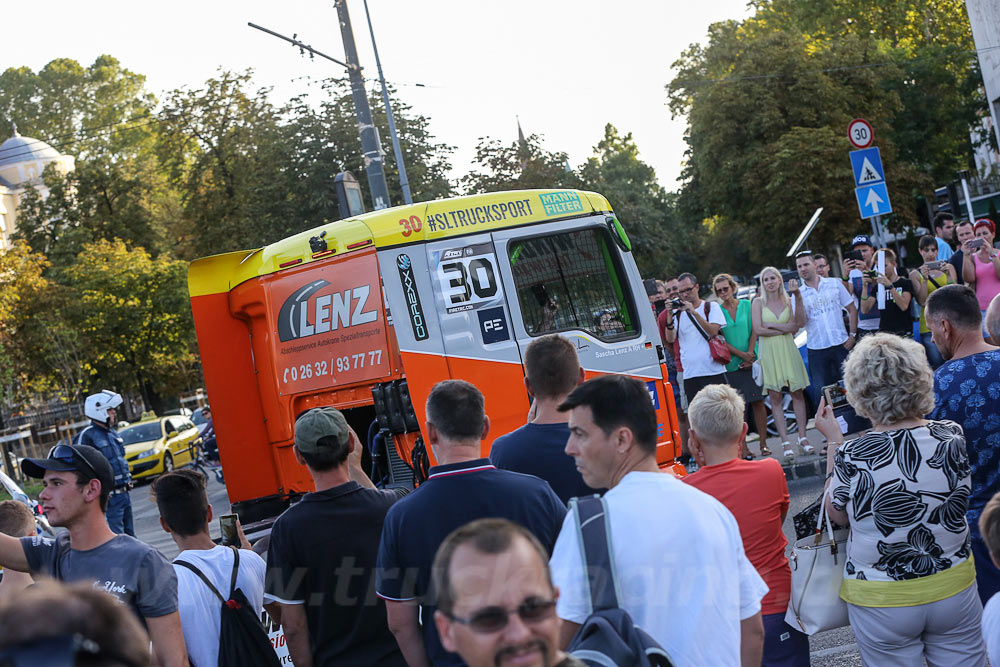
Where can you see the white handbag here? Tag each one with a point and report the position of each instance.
(817, 571)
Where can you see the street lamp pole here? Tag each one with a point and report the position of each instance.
(366, 128)
(404, 182)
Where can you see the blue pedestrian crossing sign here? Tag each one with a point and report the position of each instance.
(867, 166)
(873, 200)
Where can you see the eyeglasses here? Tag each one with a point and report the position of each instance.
(721, 289)
(68, 454)
(494, 619)
(685, 290)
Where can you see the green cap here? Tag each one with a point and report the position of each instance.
(319, 423)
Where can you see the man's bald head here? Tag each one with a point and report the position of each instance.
(993, 320)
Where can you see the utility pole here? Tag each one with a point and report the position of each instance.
(366, 128)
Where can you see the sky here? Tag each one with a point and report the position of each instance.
(564, 68)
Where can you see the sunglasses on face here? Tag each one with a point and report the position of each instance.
(494, 619)
(722, 289)
(67, 454)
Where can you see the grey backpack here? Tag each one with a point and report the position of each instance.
(608, 637)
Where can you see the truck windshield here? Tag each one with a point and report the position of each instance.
(572, 281)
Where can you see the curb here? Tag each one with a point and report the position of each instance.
(814, 468)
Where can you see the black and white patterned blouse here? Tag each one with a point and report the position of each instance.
(905, 492)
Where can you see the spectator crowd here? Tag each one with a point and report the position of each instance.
(485, 562)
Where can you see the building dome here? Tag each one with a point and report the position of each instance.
(25, 149)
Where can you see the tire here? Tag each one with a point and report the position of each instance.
(168, 463)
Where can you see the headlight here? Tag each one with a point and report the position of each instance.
(146, 454)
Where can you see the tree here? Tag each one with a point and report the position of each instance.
(21, 280)
(335, 126)
(641, 203)
(520, 165)
(253, 173)
(768, 101)
(100, 112)
(135, 318)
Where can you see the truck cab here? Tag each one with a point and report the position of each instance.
(367, 314)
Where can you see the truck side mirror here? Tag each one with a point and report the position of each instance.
(618, 234)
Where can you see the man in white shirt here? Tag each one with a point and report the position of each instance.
(688, 583)
(828, 342)
(185, 513)
(694, 324)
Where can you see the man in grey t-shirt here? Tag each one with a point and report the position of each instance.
(78, 481)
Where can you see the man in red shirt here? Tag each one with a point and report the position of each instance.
(757, 495)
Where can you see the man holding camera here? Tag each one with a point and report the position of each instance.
(694, 323)
(861, 280)
(895, 315)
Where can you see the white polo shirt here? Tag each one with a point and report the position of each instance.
(686, 581)
(696, 356)
(824, 303)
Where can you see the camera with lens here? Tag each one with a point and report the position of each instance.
(676, 303)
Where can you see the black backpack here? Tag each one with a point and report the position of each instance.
(243, 641)
(608, 637)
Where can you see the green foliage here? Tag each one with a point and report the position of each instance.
(135, 317)
(252, 173)
(768, 101)
(21, 280)
(640, 202)
(518, 166)
(101, 111)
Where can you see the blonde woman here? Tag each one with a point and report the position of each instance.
(909, 576)
(776, 319)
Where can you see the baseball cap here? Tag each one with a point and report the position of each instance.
(862, 239)
(81, 458)
(319, 423)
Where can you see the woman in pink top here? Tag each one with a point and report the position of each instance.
(982, 266)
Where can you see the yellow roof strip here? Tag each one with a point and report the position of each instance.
(426, 221)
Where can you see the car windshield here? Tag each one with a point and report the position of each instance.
(141, 433)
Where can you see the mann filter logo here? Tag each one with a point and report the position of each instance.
(412, 297)
(313, 309)
(560, 203)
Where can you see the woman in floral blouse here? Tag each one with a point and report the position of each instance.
(903, 488)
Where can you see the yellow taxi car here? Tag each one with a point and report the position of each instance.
(158, 446)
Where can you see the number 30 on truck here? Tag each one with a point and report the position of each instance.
(366, 314)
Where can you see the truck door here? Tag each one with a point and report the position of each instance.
(571, 278)
(474, 317)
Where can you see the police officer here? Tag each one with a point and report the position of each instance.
(101, 408)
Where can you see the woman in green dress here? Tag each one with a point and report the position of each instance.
(775, 321)
(742, 342)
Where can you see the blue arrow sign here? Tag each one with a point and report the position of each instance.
(873, 200)
(867, 166)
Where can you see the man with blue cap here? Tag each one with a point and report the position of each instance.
(78, 481)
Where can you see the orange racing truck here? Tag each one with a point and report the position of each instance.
(366, 314)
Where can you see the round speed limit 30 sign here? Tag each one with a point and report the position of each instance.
(860, 134)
